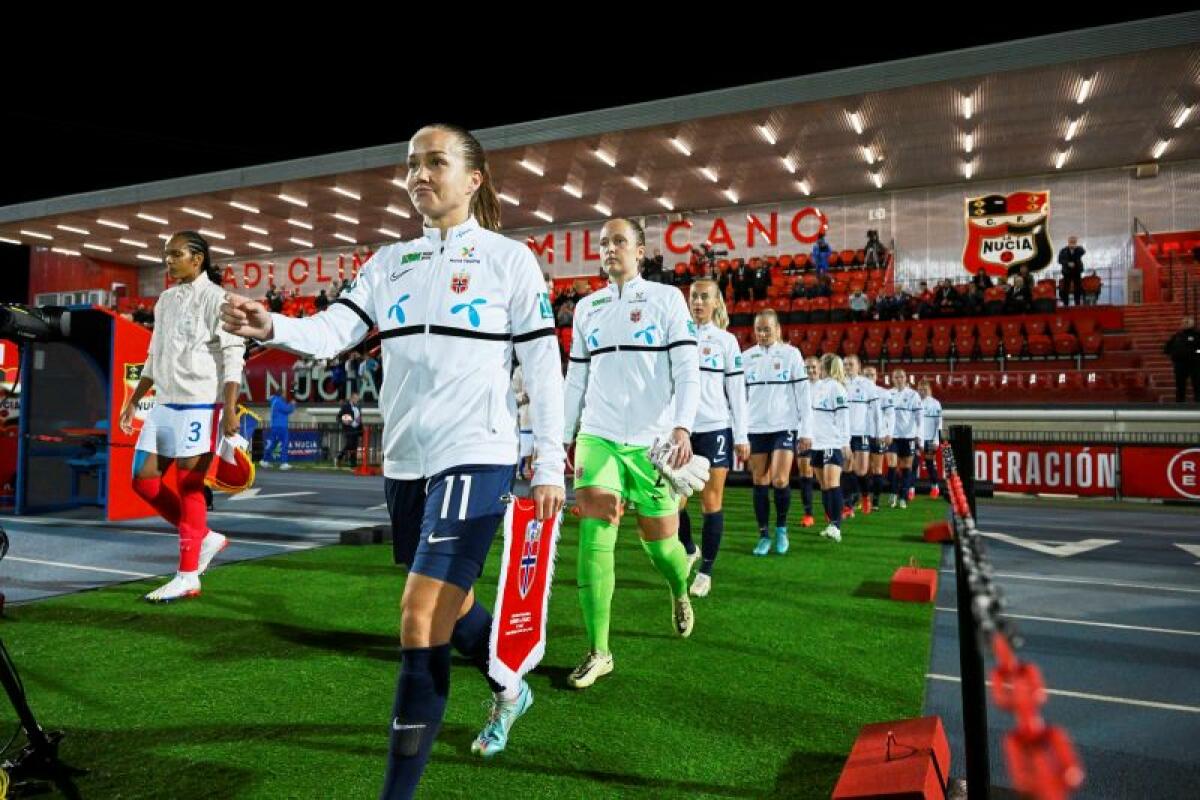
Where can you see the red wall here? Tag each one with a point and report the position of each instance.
(52, 272)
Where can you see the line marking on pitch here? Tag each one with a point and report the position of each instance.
(1090, 582)
(78, 566)
(1103, 698)
(1089, 623)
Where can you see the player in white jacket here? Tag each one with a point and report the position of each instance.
(633, 380)
(780, 410)
(883, 436)
(831, 439)
(866, 419)
(931, 433)
(906, 436)
(451, 307)
(196, 370)
(808, 479)
(720, 424)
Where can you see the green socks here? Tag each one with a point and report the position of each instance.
(670, 559)
(597, 541)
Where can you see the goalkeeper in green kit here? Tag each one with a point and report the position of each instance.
(634, 377)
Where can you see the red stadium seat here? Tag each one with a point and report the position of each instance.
(785, 261)
(964, 347)
(855, 335)
(994, 299)
(847, 258)
(834, 260)
(1092, 343)
(941, 346)
(800, 260)
(1065, 344)
(989, 346)
(1014, 345)
(1060, 325)
(819, 310)
(897, 330)
(1040, 345)
(1085, 325)
(799, 314)
(987, 327)
(918, 344)
(964, 330)
(921, 329)
(742, 314)
(895, 347)
(942, 329)
(1012, 327)
(839, 308)
(860, 256)
(813, 337)
(872, 348)
(796, 338)
(876, 331)
(1036, 327)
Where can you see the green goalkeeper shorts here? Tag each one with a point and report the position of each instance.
(626, 471)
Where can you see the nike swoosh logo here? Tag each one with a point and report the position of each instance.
(396, 726)
(435, 539)
(395, 277)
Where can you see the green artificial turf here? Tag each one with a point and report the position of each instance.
(278, 681)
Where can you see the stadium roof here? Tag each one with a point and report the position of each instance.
(1103, 97)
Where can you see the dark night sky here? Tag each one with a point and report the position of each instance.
(121, 114)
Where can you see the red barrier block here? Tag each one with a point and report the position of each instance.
(939, 532)
(914, 584)
(907, 759)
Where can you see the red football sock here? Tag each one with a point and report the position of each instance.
(164, 501)
(193, 519)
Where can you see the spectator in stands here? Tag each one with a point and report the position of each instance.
(799, 290)
(981, 282)
(824, 287)
(820, 255)
(322, 301)
(723, 281)
(946, 300)
(1020, 296)
(1184, 350)
(350, 417)
(923, 302)
(1091, 288)
(652, 268)
(743, 280)
(1070, 258)
(274, 300)
(567, 297)
(875, 252)
(860, 306)
(762, 280)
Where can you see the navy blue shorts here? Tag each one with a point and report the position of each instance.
(828, 458)
(770, 442)
(860, 444)
(877, 447)
(716, 446)
(931, 449)
(903, 448)
(443, 527)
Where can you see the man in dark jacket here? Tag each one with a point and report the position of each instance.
(350, 416)
(1184, 350)
(743, 280)
(762, 280)
(1071, 259)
